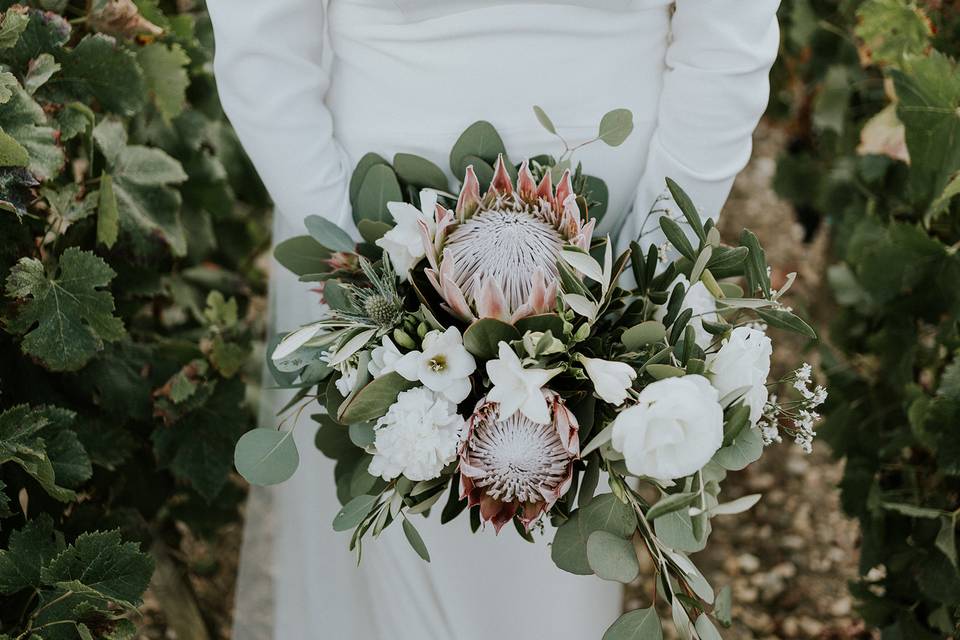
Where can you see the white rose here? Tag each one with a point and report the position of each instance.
(404, 242)
(419, 435)
(699, 300)
(741, 369)
(610, 379)
(673, 431)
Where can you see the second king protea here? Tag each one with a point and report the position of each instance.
(495, 256)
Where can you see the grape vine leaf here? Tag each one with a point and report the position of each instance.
(891, 30)
(97, 68)
(40, 32)
(25, 122)
(14, 23)
(101, 561)
(929, 105)
(198, 445)
(66, 316)
(28, 550)
(140, 178)
(165, 72)
(21, 444)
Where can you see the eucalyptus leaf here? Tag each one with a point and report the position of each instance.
(266, 456)
(640, 624)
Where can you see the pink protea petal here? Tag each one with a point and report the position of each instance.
(492, 303)
(538, 290)
(532, 511)
(496, 512)
(429, 247)
(526, 186)
(457, 303)
(501, 182)
(434, 280)
(545, 188)
(585, 237)
(570, 220)
(469, 195)
(565, 188)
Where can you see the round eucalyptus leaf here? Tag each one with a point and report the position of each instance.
(605, 512)
(302, 255)
(616, 126)
(373, 400)
(266, 456)
(371, 230)
(597, 193)
(640, 624)
(329, 234)
(354, 512)
(361, 434)
(612, 557)
(483, 337)
(480, 140)
(379, 187)
(419, 172)
(368, 161)
(746, 448)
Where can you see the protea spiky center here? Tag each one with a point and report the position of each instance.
(518, 457)
(507, 243)
(510, 465)
(496, 255)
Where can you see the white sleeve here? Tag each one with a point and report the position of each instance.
(715, 89)
(272, 66)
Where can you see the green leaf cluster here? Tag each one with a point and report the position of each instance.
(879, 159)
(130, 300)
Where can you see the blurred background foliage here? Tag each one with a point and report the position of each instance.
(131, 224)
(869, 93)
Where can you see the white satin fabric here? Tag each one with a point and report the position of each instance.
(312, 85)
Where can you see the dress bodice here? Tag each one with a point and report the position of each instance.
(410, 75)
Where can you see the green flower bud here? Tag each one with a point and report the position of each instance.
(403, 339)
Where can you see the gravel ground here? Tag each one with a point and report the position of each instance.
(788, 560)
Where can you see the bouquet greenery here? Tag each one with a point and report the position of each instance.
(478, 346)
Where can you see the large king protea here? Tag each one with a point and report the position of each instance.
(495, 256)
(512, 465)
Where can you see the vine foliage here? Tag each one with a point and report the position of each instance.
(870, 91)
(129, 224)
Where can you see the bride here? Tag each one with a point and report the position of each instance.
(311, 85)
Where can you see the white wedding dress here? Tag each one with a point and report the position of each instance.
(312, 85)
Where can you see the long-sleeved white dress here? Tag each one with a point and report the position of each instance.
(312, 85)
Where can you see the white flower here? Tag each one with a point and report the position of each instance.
(699, 300)
(516, 388)
(419, 435)
(404, 242)
(348, 378)
(383, 358)
(443, 366)
(742, 367)
(673, 431)
(610, 379)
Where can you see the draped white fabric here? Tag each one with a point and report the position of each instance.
(312, 85)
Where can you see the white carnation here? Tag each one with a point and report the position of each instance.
(419, 435)
(741, 368)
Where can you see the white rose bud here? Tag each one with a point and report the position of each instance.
(673, 431)
(610, 379)
(742, 367)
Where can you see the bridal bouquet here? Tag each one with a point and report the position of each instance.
(480, 352)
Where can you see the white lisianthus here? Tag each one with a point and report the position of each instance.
(699, 300)
(348, 378)
(419, 435)
(741, 368)
(404, 242)
(516, 388)
(610, 379)
(673, 431)
(383, 358)
(443, 366)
